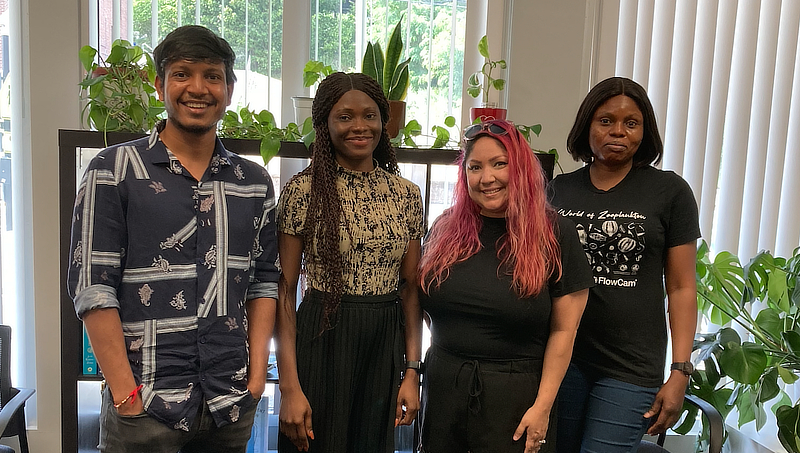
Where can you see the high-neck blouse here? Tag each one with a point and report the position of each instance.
(381, 213)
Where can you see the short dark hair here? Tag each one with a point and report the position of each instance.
(650, 150)
(194, 43)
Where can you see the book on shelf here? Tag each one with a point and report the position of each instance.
(89, 360)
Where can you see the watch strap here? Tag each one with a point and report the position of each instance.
(684, 367)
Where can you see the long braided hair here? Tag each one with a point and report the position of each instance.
(325, 208)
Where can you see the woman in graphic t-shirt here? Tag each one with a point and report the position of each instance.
(639, 227)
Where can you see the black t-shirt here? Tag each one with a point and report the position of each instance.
(626, 232)
(477, 314)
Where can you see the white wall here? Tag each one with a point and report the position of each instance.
(547, 77)
(51, 32)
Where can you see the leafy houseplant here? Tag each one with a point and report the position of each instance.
(262, 126)
(441, 134)
(536, 129)
(478, 87)
(762, 300)
(119, 89)
(391, 74)
(314, 71)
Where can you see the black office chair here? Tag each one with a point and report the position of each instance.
(12, 400)
(715, 423)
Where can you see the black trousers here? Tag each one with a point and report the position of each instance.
(350, 373)
(476, 405)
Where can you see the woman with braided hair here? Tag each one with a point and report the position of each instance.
(352, 227)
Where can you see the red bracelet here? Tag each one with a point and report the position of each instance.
(131, 397)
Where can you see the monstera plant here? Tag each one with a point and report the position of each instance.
(746, 362)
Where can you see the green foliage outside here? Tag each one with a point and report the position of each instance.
(435, 100)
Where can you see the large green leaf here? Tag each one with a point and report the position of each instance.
(792, 340)
(778, 290)
(377, 54)
(265, 117)
(269, 148)
(86, 55)
(756, 274)
(707, 346)
(788, 423)
(368, 65)
(688, 420)
(786, 375)
(117, 55)
(743, 363)
(400, 86)
(483, 47)
(770, 322)
(745, 405)
(394, 50)
(768, 387)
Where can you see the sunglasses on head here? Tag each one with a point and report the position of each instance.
(470, 132)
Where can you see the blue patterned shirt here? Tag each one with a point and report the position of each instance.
(178, 258)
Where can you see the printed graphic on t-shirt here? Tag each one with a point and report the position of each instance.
(614, 244)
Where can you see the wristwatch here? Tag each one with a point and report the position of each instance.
(684, 367)
(414, 365)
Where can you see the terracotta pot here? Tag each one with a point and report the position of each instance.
(397, 117)
(486, 113)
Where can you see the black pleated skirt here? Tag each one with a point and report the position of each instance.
(350, 373)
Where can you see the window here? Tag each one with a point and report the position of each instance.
(433, 37)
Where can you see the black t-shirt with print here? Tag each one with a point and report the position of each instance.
(475, 312)
(625, 233)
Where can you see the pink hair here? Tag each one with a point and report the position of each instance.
(530, 247)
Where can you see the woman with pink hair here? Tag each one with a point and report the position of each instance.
(504, 281)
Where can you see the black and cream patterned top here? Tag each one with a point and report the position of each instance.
(381, 213)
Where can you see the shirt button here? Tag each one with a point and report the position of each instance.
(203, 340)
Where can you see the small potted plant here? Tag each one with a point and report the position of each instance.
(119, 90)
(478, 87)
(548, 159)
(313, 72)
(391, 74)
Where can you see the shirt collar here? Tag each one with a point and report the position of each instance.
(354, 174)
(162, 155)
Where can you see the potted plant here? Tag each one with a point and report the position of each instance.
(119, 90)
(745, 371)
(478, 87)
(262, 126)
(313, 72)
(440, 134)
(391, 74)
(548, 159)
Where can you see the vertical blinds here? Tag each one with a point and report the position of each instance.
(724, 79)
